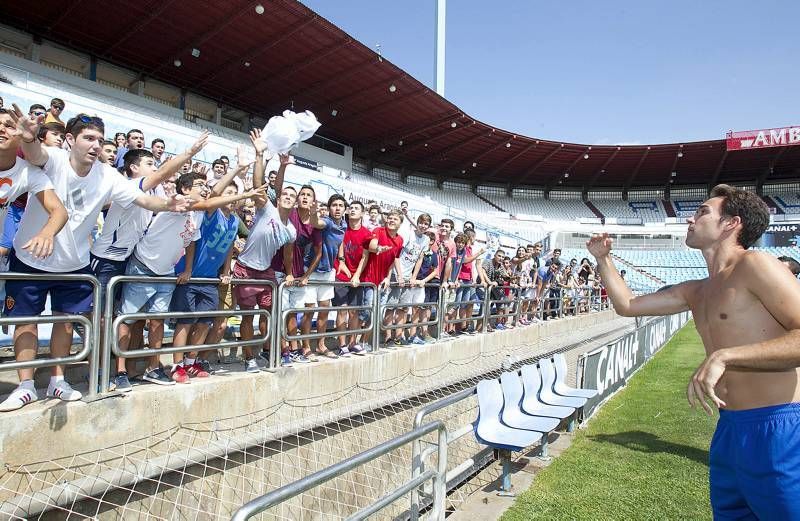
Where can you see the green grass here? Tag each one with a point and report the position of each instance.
(643, 456)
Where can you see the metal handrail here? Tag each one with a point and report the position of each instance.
(422, 305)
(282, 333)
(110, 339)
(293, 489)
(91, 340)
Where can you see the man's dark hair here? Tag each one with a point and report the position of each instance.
(374, 207)
(133, 158)
(58, 102)
(357, 203)
(224, 158)
(109, 142)
(450, 222)
(749, 207)
(337, 197)
(53, 126)
(217, 162)
(157, 140)
(472, 224)
(272, 172)
(37, 106)
(185, 181)
(133, 130)
(791, 263)
(401, 203)
(308, 187)
(82, 122)
(425, 218)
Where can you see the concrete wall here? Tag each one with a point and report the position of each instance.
(275, 427)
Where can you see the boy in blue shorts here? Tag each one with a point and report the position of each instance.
(156, 256)
(84, 185)
(212, 258)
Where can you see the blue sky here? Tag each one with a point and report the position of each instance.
(598, 72)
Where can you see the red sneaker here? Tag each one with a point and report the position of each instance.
(179, 375)
(196, 370)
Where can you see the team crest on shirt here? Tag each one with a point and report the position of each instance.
(10, 303)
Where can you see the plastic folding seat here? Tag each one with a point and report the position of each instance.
(512, 415)
(561, 387)
(489, 430)
(531, 404)
(548, 396)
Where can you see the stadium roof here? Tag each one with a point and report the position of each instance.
(289, 56)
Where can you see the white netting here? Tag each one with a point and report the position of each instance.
(205, 471)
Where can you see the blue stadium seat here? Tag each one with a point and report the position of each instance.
(512, 415)
(561, 387)
(531, 404)
(489, 430)
(547, 395)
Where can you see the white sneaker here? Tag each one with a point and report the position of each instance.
(18, 399)
(63, 391)
(251, 366)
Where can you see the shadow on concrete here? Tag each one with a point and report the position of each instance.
(647, 442)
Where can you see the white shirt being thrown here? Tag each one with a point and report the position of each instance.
(84, 198)
(266, 237)
(123, 227)
(166, 239)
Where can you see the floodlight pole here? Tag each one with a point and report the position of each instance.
(441, 6)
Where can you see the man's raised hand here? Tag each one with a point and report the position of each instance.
(200, 142)
(258, 144)
(286, 159)
(599, 245)
(178, 203)
(27, 127)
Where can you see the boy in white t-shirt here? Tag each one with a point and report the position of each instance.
(84, 185)
(169, 236)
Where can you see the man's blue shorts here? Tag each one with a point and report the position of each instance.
(28, 297)
(195, 297)
(755, 464)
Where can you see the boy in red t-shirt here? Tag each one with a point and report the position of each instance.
(349, 265)
(384, 253)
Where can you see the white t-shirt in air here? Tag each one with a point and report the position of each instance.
(166, 239)
(266, 237)
(84, 198)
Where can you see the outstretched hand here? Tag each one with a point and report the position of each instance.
(179, 203)
(701, 386)
(27, 127)
(200, 143)
(599, 245)
(258, 144)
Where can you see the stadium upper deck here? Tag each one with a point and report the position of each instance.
(255, 65)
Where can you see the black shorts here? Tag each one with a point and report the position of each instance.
(195, 297)
(348, 296)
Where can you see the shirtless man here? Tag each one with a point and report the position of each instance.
(748, 314)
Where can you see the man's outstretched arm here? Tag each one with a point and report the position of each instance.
(667, 302)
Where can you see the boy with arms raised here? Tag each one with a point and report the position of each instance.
(84, 185)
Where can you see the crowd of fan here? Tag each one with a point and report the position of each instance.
(113, 207)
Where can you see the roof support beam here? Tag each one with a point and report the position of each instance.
(256, 51)
(382, 105)
(407, 132)
(717, 170)
(338, 103)
(635, 172)
(426, 141)
(443, 153)
(482, 154)
(263, 82)
(602, 169)
(552, 182)
(334, 79)
(508, 161)
(128, 33)
(539, 163)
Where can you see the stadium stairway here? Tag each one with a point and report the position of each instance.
(668, 208)
(637, 269)
(487, 201)
(595, 210)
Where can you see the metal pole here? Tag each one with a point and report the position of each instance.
(440, 481)
(377, 319)
(439, 69)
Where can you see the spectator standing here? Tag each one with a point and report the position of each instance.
(157, 147)
(424, 274)
(134, 139)
(56, 109)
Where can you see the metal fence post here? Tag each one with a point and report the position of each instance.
(377, 319)
(440, 481)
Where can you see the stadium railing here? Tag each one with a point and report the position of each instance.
(91, 340)
(112, 323)
(296, 488)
